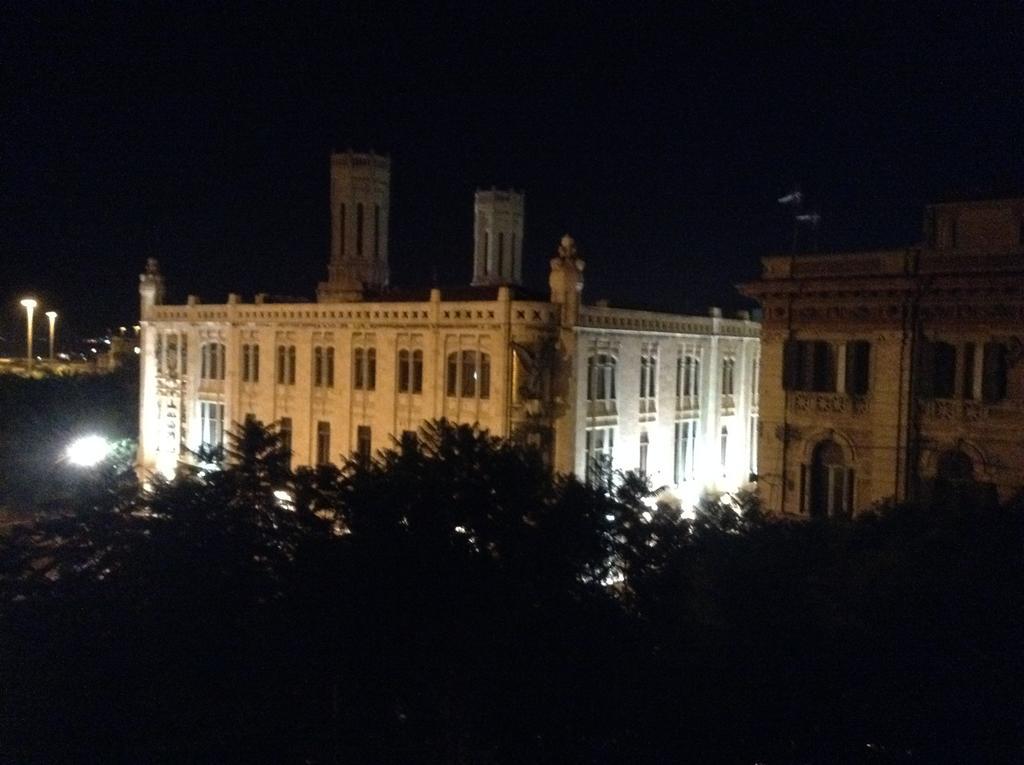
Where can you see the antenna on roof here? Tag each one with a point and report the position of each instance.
(795, 201)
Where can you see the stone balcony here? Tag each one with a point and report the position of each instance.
(806, 402)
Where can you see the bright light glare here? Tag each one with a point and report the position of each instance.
(284, 499)
(88, 451)
(29, 303)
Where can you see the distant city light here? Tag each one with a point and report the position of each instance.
(137, 350)
(88, 451)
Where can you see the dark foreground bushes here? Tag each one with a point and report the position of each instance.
(452, 603)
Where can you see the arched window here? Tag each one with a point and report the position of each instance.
(404, 371)
(212, 361)
(485, 375)
(690, 377)
(341, 227)
(601, 377)
(451, 387)
(359, 368)
(468, 374)
(376, 231)
(417, 371)
(371, 369)
(728, 377)
(501, 253)
(831, 489)
(359, 228)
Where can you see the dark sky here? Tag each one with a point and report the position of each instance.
(660, 140)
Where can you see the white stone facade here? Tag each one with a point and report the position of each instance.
(364, 364)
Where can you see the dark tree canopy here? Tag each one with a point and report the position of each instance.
(450, 601)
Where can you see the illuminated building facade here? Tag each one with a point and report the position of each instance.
(896, 374)
(591, 386)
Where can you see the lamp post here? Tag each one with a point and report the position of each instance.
(52, 316)
(30, 306)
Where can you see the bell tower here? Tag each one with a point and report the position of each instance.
(497, 238)
(360, 202)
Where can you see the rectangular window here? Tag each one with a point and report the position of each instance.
(371, 369)
(858, 367)
(211, 427)
(936, 367)
(364, 444)
(485, 375)
(282, 357)
(755, 380)
(285, 430)
(969, 391)
(600, 445)
(291, 365)
(752, 458)
(685, 451)
(323, 443)
(318, 366)
(254, 364)
(359, 368)
(417, 371)
(329, 365)
(404, 371)
(452, 377)
(468, 374)
(644, 445)
(993, 368)
(809, 365)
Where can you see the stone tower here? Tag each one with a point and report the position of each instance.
(360, 202)
(498, 238)
(151, 287)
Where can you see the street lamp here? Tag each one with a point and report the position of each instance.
(30, 306)
(52, 316)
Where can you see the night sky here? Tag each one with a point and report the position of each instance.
(659, 140)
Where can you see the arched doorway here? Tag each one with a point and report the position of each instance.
(831, 481)
(954, 466)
